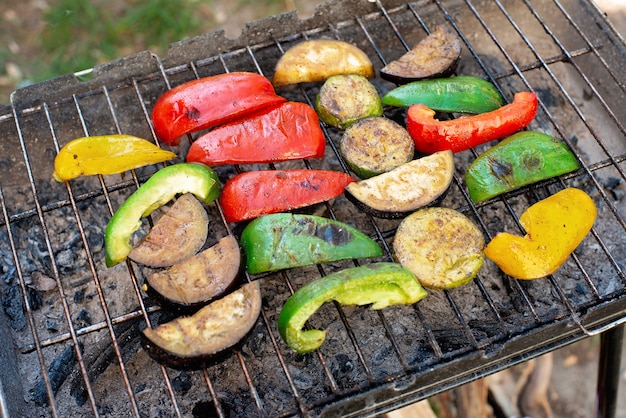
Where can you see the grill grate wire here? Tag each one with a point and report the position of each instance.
(439, 350)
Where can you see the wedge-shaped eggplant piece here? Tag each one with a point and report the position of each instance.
(376, 145)
(188, 341)
(441, 246)
(319, 59)
(346, 98)
(199, 279)
(409, 187)
(437, 55)
(176, 236)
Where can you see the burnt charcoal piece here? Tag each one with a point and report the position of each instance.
(58, 371)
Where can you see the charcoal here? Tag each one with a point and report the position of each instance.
(58, 372)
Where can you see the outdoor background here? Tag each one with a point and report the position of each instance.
(41, 39)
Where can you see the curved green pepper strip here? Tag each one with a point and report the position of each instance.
(380, 284)
(521, 159)
(162, 187)
(461, 94)
(285, 240)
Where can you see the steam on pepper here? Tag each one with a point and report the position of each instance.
(380, 284)
(554, 227)
(155, 192)
(521, 159)
(431, 135)
(285, 240)
(106, 154)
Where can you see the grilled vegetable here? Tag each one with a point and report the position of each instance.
(554, 227)
(437, 55)
(441, 246)
(158, 190)
(188, 341)
(345, 99)
(255, 193)
(319, 59)
(176, 236)
(210, 101)
(199, 279)
(378, 284)
(521, 159)
(285, 240)
(375, 145)
(406, 188)
(431, 135)
(461, 94)
(288, 131)
(107, 154)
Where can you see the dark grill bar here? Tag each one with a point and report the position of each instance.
(77, 345)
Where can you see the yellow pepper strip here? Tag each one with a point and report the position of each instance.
(554, 228)
(107, 154)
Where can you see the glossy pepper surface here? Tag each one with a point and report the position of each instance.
(210, 101)
(255, 193)
(285, 240)
(554, 227)
(379, 284)
(520, 159)
(106, 154)
(155, 192)
(431, 135)
(285, 132)
(461, 94)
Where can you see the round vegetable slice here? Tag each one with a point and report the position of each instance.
(159, 189)
(406, 188)
(347, 98)
(380, 284)
(319, 59)
(176, 236)
(285, 240)
(520, 159)
(190, 340)
(441, 246)
(437, 55)
(201, 278)
(554, 227)
(375, 145)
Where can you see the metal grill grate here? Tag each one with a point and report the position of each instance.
(77, 344)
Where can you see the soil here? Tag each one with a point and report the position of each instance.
(572, 388)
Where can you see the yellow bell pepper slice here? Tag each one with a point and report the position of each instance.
(106, 154)
(554, 226)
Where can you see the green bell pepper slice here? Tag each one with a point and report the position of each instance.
(520, 159)
(460, 94)
(285, 240)
(159, 189)
(380, 284)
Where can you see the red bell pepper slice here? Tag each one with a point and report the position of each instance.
(255, 193)
(289, 131)
(210, 101)
(431, 135)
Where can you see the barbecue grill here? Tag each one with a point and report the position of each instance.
(71, 326)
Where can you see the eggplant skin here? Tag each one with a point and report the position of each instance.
(188, 342)
(191, 284)
(437, 55)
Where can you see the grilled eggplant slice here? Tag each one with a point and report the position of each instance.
(319, 59)
(411, 186)
(346, 98)
(188, 341)
(199, 279)
(437, 55)
(441, 246)
(176, 236)
(376, 145)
